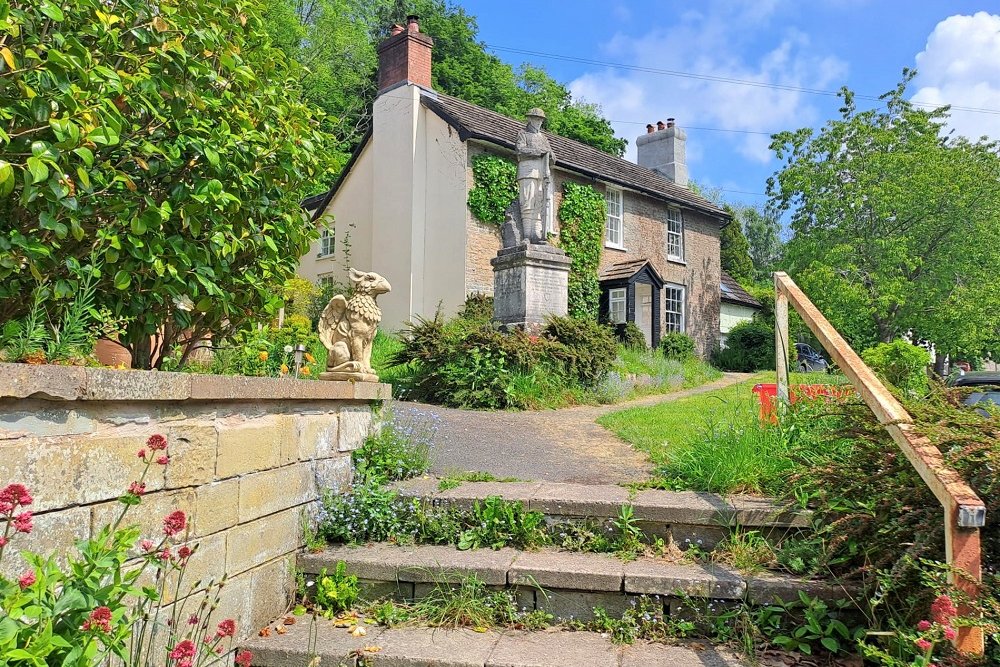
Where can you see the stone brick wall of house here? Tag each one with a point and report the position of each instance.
(483, 239)
(249, 458)
(646, 238)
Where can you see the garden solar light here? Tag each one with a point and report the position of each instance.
(299, 351)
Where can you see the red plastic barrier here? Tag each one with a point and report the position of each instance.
(768, 395)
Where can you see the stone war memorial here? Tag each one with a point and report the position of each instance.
(530, 275)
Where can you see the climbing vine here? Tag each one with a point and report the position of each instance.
(581, 216)
(495, 187)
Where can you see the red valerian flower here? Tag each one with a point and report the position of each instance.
(184, 552)
(163, 460)
(943, 609)
(156, 442)
(923, 626)
(3, 541)
(923, 644)
(142, 454)
(174, 523)
(146, 545)
(185, 649)
(15, 494)
(193, 619)
(27, 579)
(950, 633)
(244, 658)
(22, 522)
(137, 488)
(165, 555)
(98, 621)
(227, 628)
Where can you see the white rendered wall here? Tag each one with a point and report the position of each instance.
(731, 314)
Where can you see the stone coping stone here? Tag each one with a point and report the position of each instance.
(376, 562)
(439, 647)
(604, 502)
(553, 649)
(73, 383)
(650, 577)
(567, 570)
(423, 564)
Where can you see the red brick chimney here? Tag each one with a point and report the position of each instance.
(405, 56)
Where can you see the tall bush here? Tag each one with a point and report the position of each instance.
(165, 139)
(677, 345)
(749, 347)
(582, 217)
(901, 364)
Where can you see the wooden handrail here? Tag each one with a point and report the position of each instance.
(964, 511)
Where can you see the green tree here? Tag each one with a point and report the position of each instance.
(761, 228)
(735, 252)
(895, 224)
(168, 142)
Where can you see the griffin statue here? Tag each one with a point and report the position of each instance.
(347, 328)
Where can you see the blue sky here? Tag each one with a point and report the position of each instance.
(814, 44)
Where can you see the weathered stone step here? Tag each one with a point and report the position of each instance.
(420, 647)
(685, 516)
(565, 584)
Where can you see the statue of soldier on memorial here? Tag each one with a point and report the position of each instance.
(526, 222)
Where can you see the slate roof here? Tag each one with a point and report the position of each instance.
(731, 291)
(474, 122)
(623, 270)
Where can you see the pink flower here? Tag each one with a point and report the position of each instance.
(99, 620)
(6, 507)
(184, 552)
(185, 662)
(244, 658)
(27, 579)
(174, 523)
(163, 460)
(165, 555)
(950, 633)
(923, 626)
(156, 442)
(193, 619)
(146, 545)
(14, 495)
(923, 645)
(3, 541)
(137, 488)
(22, 522)
(185, 649)
(142, 454)
(227, 628)
(943, 609)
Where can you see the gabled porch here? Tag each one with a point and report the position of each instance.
(631, 292)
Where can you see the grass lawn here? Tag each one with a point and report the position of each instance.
(712, 441)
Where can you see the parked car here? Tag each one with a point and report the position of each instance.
(988, 380)
(809, 360)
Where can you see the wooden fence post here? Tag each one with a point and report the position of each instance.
(781, 341)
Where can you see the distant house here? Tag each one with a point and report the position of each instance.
(736, 306)
(400, 203)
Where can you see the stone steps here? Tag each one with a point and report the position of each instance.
(567, 585)
(421, 647)
(685, 517)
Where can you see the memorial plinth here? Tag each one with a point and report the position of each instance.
(530, 283)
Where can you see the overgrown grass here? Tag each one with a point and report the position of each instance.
(384, 347)
(644, 372)
(713, 441)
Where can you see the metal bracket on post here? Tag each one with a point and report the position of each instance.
(781, 343)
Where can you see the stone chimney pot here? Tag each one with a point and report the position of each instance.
(405, 57)
(664, 151)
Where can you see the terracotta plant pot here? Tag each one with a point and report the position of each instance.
(111, 353)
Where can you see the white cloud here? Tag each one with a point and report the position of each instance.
(961, 66)
(730, 39)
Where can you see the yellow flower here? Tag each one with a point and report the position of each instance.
(305, 370)
(311, 359)
(284, 369)
(262, 356)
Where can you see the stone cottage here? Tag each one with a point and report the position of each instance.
(400, 206)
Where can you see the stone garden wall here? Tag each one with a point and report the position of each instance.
(249, 457)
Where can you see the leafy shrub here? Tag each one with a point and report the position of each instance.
(589, 348)
(677, 345)
(371, 512)
(478, 307)
(902, 365)
(749, 347)
(497, 523)
(495, 187)
(269, 352)
(631, 336)
(582, 216)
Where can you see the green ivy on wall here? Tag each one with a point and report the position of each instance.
(495, 187)
(582, 217)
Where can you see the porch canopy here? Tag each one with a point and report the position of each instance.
(636, 277)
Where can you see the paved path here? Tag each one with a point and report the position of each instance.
(564, 445)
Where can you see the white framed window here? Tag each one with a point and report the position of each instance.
(326, 242)
(676, 301)
(615, 236)
(675, 235)
(616, 305)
